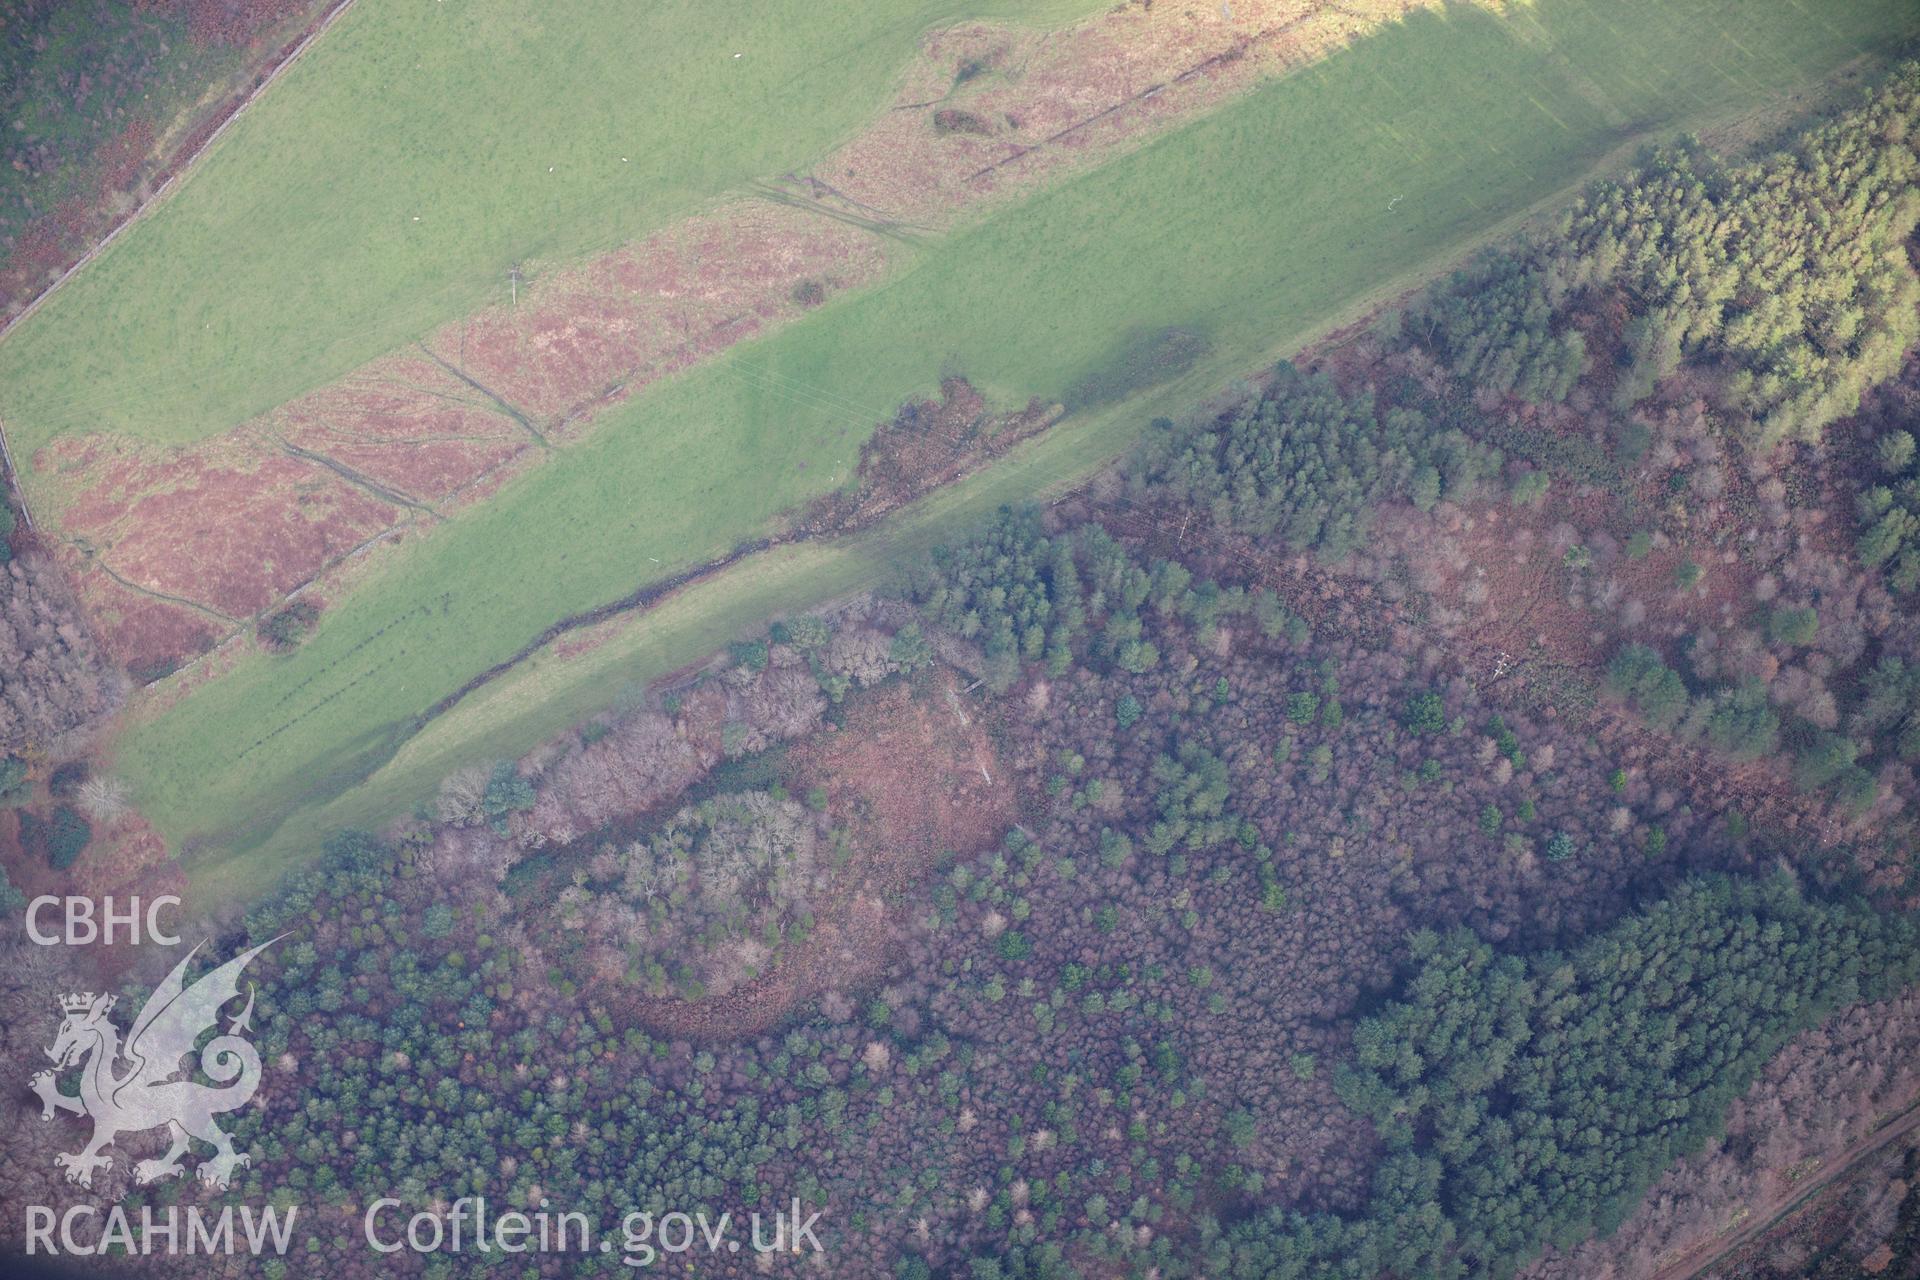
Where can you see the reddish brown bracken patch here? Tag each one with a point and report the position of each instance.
(916, 775)
(148, 637)
(584, 336)
(406, 425)
(908, 776)
(1510, 552)
(233, 524)
(125, 859)
(987, 110)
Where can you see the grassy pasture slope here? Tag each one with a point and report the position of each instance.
(293, 255)
(1258, 225)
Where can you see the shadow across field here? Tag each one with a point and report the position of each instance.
(1258, 227)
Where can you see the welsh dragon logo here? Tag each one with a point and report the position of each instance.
(148, 1091)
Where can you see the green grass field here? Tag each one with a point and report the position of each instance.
(1257, 226)
(293, 254)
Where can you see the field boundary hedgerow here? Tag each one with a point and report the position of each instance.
(182, 166)
(402, 166)
(1289, 239)
(549, 688)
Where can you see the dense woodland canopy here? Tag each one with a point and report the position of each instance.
(52, 676)
(1888, 505)
(711, 895)
(1526, 1100)
(1308, 465)
(1098, 1038)
(1787, 279)
(1832, 1087)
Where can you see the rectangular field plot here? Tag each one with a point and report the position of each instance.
(1253, 227)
